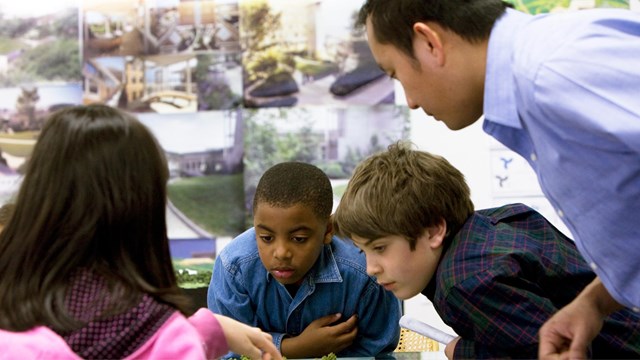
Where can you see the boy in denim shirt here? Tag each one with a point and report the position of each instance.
(493, 275)
(289, 275)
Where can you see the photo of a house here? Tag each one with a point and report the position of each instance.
(162, 56)
(335, 139)
(204, 152)
(139, 27)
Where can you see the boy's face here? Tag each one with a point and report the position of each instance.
(398, 269)
(289, 240)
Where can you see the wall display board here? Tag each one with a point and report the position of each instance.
(226, 94)
(231, 87)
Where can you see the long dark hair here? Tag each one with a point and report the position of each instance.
(93, 197)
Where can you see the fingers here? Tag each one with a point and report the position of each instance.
(578, 349)
(347, 326)
(268, 337)
(556, 339)
(548, 351)
(263, 346)
(247, 340)
(327, 320)
(551, 343)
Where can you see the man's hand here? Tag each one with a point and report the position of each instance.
(568, 333)
(321, 338)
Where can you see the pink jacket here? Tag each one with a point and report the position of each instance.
(198, 337)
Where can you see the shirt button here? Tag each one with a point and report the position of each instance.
(560, 213)
(533, 157)
(636, 309)
(593, 266)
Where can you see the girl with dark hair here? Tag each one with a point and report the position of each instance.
(84, 260)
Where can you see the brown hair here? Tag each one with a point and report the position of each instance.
(6, 211)
(94, 197)
(401, 192)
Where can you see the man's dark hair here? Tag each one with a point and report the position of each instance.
(393, 20)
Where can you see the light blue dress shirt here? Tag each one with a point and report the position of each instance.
(563, 91)
(242, 288)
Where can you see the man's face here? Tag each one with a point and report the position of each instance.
(435, 80)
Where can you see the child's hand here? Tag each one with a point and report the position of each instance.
(247, 340)
(321, 338)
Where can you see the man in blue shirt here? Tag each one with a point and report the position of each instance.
(562, 90)
(290, 277)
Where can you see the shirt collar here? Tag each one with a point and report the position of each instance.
(499, 93)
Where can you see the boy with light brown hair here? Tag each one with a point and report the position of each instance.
(494, 275)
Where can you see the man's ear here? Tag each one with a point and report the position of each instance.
(328, 233)
(437, 233)
(427, 43)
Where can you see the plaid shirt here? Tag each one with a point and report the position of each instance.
(504, 274)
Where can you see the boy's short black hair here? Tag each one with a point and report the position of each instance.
(290, 183)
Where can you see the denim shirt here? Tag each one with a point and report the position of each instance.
(243, 289)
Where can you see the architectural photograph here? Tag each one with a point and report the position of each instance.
(204, 151)
(471, 166)
(145, 27)
(39, 73)
(307, 52)
(335, 139)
